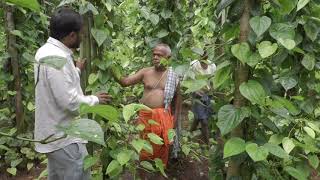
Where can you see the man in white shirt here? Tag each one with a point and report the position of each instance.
(201, 103)
(58, 95)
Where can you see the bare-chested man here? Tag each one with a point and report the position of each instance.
(161, 94)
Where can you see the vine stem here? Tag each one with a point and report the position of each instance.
(43, 141)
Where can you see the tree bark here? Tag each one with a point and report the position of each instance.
(241, 75)
(85, 51)
(14, 61)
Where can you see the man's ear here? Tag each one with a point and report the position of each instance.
(72, 34)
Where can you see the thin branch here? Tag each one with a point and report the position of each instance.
(43, 141)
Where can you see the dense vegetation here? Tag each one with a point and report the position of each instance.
(266, 87)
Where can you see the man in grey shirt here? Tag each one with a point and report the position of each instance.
(58, 95)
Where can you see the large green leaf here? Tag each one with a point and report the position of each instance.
(100, 35)
(296, 173)
(276, 150)
(256, 153)
(287, 43)
(287, 6)
(230, 117)
(276, 139)
(89, 161)
(30, 4)
(302, 3)
(260, 24)
(253, 91)
(194, 85)
(310, 132)
(311, 29)
(234, 146)
(147, 165)
(308, 61)
(124, 156)
(221, 76)
(282, 31)
(84, 128)
(131, 109)
(254, 59)
(138, 144)
(286, 104)
(266, 48)
(241, 51)
(160, 166)
(154, 18)
(106, 111)
(155, 138)
(114, 168)
(287, 144)
(313, 160)
(56, 62)
(288, 82)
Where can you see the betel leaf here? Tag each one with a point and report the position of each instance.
(12, 171)
(311, 30)
(92, 78)
(124, 156)
(86, 129)
(266, 48)
(131, 109)
(287, 43)
(276, 150)
(287, 144)
(256, 153)
(154, 18)
(253, 91)
(282, 30)
(302, 3)
(160, 166)
(234, 146)
(221, 76)
(106, 111)
(288, 82)
(260, 24)
(310, 132)
(308, 61)
(286, 6)
(276, 139)
(241, 51)
(147, 165)
(56, 62)
(254, 59)
(296, 173)
(114, 168)
(313, 160)
(100, 35)
(230, 117)
(89, 161)
(194, 85)
(30, 4)
(155, 138)
(138, 144)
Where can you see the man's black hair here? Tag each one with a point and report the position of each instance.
(63, 22)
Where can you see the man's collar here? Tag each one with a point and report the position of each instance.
(59, 45)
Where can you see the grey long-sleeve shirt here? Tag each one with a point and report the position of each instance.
(58, 96)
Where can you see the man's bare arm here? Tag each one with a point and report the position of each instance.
(130, 80)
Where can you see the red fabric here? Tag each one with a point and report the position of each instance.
(166, 122)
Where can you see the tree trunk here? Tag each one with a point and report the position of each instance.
(14, 61)
(85, 51)
(241, 75)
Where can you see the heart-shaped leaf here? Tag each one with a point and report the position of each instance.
(254, 59)
(266, 48)
(287, 144)
(308, 61)
(253, 91)
(287, 43)
(234, 146)
(241, 51)
(260, 24)
(256, 153)
(100, 35)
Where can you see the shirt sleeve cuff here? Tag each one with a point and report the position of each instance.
(96, 100)
(79, 71)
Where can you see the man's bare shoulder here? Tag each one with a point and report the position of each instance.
(147, 70)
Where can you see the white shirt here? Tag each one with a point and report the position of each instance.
(198, 69)
(58, 96)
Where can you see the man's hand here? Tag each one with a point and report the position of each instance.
(80, 63)
(104, 98)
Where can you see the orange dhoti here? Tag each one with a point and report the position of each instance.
(165, 122)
